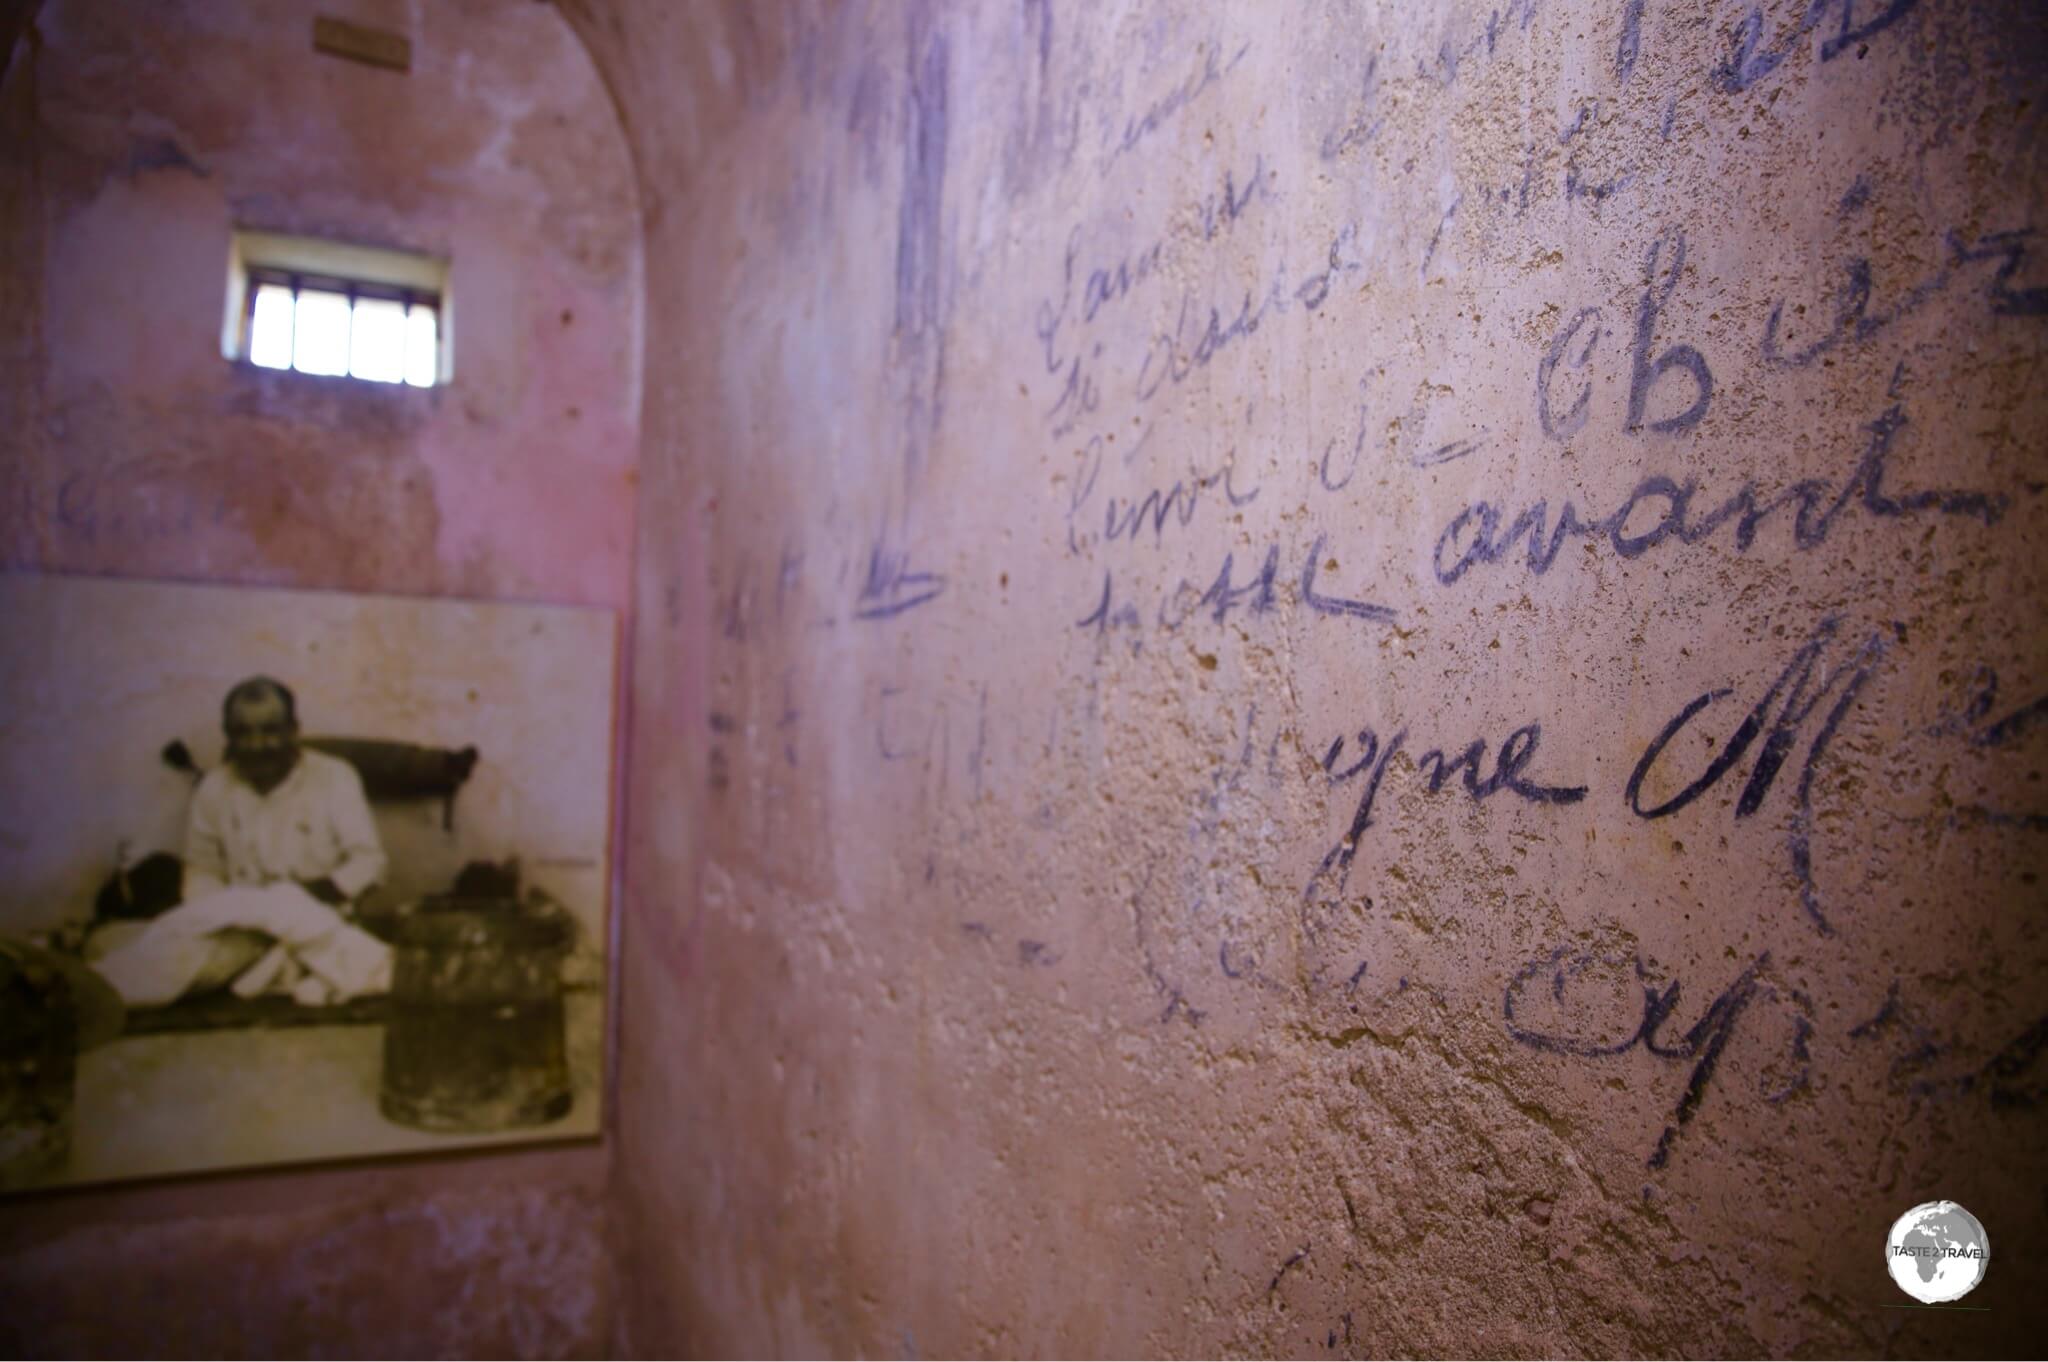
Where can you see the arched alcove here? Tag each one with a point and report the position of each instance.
(136, 138)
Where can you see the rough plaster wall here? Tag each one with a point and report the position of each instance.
(134, 137)
(1108, 463)
(500, 1257)
(498, 151)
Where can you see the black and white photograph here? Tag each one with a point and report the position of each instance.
(296, 876)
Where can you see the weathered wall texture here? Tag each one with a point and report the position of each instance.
(150, 455)
(132, 137)
(1334, 679)
(504, 1256)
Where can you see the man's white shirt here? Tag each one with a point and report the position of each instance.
(316, 824)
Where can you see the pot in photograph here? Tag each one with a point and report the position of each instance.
(38, 1065)
(476, 1037)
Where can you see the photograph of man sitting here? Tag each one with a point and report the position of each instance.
(279, 848)
(275, 812)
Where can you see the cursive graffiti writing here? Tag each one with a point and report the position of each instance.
(1477, 535)
(1373, 757)
(1796, 695)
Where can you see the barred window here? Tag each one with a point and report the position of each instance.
(328, 308)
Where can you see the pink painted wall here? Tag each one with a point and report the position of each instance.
(132, 138)
(153, 455)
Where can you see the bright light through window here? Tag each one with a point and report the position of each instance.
(376, 343)
(330, 308)
(383, 340)
(320, 333)
(270, 331)
(422, 346)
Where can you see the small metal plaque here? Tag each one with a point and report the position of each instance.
(371, 46)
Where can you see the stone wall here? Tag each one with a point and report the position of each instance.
(133, 138)
(1333, 678)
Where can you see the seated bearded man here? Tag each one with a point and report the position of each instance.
(279, 843)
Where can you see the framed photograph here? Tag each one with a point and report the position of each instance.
(291, 876)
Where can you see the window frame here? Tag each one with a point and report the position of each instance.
(353, 271)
